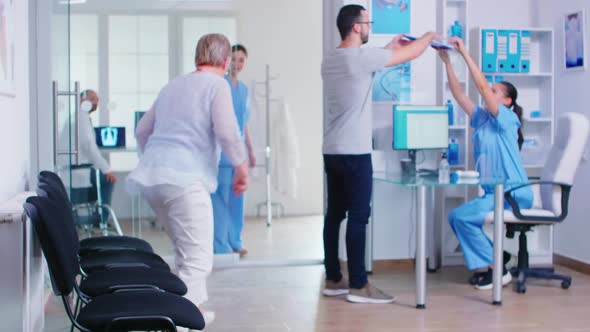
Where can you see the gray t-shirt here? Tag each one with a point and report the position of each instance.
(347, 75)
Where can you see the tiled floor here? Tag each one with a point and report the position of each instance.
(289, 298)
(293, 238)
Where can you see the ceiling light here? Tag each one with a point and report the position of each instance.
(72, 2)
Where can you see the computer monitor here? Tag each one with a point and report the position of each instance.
(420, 128)
(110, 137)
(138, 115)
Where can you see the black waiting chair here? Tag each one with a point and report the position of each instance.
(123, 310)
(108, 273)
(96, 243)
(112, 278)
(97, 260)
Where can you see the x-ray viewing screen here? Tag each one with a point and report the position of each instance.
(110, 137)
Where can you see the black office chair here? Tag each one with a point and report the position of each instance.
(122, 310)
(555, 185)
(97, 260)
(92, 244)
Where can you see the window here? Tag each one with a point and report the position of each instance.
(138, 69)
(84, 54)
(194, 28)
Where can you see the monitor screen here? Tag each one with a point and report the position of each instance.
(420, 127)
(110, 137)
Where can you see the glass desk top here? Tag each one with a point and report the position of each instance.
(431, 180)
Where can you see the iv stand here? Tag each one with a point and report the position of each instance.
(267, 154)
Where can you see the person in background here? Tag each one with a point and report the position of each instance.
(228, 209)
(179, 140)
(497, 139)
(347, 74)
(89, 152)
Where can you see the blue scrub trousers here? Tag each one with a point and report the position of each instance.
(467, 222)
(228, 214)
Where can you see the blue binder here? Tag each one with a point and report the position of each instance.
(502, 50)
(513, 51)
(489, 50)
(525, 51)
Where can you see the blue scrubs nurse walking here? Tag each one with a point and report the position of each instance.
(497, 139)
(228, 209)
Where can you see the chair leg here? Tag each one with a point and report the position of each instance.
(520, 284)
(76, 309)
(566, 281)
(114, 219)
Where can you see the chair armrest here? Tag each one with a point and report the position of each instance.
(565, 194)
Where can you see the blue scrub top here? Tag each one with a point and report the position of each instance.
(496, 153)
(239, 95)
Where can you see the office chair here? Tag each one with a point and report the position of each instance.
(555, 185)
(123, 309)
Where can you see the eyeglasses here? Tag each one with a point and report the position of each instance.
(364, 22)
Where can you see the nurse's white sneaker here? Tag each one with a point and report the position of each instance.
(486, 282)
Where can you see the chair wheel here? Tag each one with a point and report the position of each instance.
(566, 284)
(520, 288)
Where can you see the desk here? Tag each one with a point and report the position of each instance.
(421, 183)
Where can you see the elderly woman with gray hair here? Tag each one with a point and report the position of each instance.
(179, 141)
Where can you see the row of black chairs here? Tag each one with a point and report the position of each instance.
(123, 285)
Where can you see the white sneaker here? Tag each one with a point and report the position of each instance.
(486, 282)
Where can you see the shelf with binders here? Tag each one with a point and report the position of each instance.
(515, 52)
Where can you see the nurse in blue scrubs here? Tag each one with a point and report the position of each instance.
(228, 209)
(497, 139)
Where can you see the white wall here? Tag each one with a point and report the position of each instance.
(501, 13)
(14, 114)
(288, 37)
(571, 237)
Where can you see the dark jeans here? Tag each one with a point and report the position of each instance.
(349, 180)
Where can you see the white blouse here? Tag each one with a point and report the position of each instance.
(179, 139)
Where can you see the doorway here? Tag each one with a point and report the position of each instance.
(127, 51)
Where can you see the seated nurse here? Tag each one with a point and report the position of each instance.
(497, 139)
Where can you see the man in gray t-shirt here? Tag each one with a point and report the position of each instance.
(347, 73)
